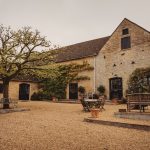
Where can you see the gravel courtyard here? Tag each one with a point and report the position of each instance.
(55, 126)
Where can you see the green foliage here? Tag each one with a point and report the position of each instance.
(18, 51)
(58, 79)
(139, 81)
(101, 89)
(19, 54)
(81, 89)
(39, 96)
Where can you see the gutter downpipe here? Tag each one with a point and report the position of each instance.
(94, 84)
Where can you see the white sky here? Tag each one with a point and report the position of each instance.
(66, 22)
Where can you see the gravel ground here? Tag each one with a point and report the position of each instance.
(54, 126)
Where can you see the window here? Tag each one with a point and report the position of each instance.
(1, 88)
(125, 43)
(125, 31)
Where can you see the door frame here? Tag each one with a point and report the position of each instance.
(28, 94)
(110, 89)
(75, 92)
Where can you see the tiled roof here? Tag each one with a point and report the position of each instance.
(81, 50)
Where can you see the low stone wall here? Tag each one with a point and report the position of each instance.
(133, 115)
(118, 124)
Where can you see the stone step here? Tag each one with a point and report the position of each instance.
(118, 124)
(68, 101)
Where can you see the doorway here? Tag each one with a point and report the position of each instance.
(73, 91)
(24, 91)
(115, 87)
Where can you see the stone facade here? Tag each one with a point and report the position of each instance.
(88, 84)
(113, 62)
(110, 64)
(14, 89)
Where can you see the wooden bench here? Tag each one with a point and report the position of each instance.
(140, 100)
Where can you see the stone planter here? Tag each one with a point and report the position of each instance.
(94, 113)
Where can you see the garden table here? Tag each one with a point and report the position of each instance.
(93, 102)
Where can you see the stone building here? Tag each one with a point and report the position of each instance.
(114, 58)
(79, 53)
(128, 48)
(20, 89)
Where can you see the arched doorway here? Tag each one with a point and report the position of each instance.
(24, 91)
(115, 88)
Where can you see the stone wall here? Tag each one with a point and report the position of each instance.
(114, 62)
(14, 89)
(88, 84)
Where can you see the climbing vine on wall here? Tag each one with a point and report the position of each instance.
(56, 84)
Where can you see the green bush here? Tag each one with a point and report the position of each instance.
(101, 90)
(39, 96)
(81, 89)
(139, 81)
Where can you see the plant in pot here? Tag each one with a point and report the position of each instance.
(81, 91)
(102, 96)
(101, 90)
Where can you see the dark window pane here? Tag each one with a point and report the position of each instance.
(1, 88)
(125, 31)
(125, 43)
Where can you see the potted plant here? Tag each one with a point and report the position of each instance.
(81, 90)
(115, 100)
(101, 90)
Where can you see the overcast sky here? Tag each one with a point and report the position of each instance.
(66, 22)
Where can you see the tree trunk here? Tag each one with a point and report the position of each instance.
(5, 93)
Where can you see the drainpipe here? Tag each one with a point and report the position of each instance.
(94, 84)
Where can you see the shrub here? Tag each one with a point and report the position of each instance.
(101, 90)
(81, 89)
(139, 81)
(39, 96)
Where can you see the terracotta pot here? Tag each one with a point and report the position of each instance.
(53, 99)
(115, 101)
(94, 113)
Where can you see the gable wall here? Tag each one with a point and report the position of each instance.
(138, 53)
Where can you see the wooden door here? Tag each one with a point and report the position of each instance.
(115, 87)
(24, 90)
(73, 91)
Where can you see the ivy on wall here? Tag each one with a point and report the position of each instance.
(55, 85)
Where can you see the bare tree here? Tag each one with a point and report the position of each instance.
(19, 52)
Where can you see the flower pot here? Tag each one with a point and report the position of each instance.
(94, 113)
(114, 101)
(54, 99)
